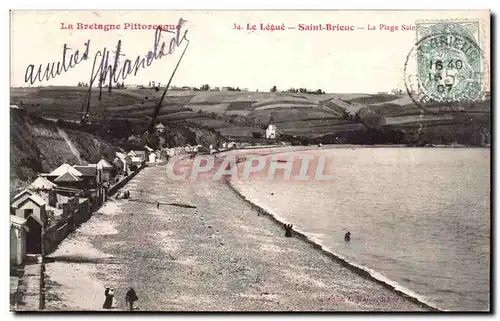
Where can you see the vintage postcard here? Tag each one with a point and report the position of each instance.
(250, 161)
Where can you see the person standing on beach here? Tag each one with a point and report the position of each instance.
(157, 204)
(109, 293)
(130, 298)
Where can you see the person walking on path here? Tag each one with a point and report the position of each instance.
(130, 298)
(157, 204)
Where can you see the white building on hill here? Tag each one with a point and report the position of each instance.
(271, 131)
(160, 128)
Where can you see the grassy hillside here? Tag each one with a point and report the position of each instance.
(240, 114)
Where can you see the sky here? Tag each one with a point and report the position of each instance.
(337, 61)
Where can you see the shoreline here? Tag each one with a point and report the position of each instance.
(340, 146)
(320, 248)
(218, 256)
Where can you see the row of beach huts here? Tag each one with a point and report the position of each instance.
(55, 203)
(50, 208)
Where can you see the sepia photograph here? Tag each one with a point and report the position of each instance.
(250, 161)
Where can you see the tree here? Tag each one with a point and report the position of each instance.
(273, 90)
(256, 135)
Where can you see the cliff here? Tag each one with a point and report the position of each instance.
(38, 145)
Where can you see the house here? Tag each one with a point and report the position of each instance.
(120, 162)
(32, 209)
(152, 158)
(160, 128)
(69, 180)
(65, 176)
(18, 235)
(136, 161)
(202, 149)
(120, 165)
(170, 152)
(63, 169)
(41, 183)
(188, 148)
(136, 157)
(149, 149)
(91, 176)
(91, 182)
(271, 131)
(141, 154)
(106, 169)
(33, 205)
(24, 194)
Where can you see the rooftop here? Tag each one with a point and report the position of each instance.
(104, 164)
(17, 220)
(24, 191)
(65, 168)
(86, 170)
(67, 177)
(41, 183)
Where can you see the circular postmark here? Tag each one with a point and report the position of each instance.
(445, 68)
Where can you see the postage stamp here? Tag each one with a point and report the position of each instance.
(446, 65)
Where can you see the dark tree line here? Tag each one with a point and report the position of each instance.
(299, 90)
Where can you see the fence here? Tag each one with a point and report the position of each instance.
(113, 189)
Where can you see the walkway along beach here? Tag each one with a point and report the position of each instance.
(217, 254)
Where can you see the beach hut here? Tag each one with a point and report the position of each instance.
(106, 169)
(18, 230)
(42, 183)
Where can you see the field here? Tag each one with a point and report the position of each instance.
(241, 113)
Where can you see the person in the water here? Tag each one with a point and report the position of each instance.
(347, 236)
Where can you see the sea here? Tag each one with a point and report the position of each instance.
(419, 217)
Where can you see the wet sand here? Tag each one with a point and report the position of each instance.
(219, 256)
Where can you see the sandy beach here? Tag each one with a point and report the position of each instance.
(219, 256)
